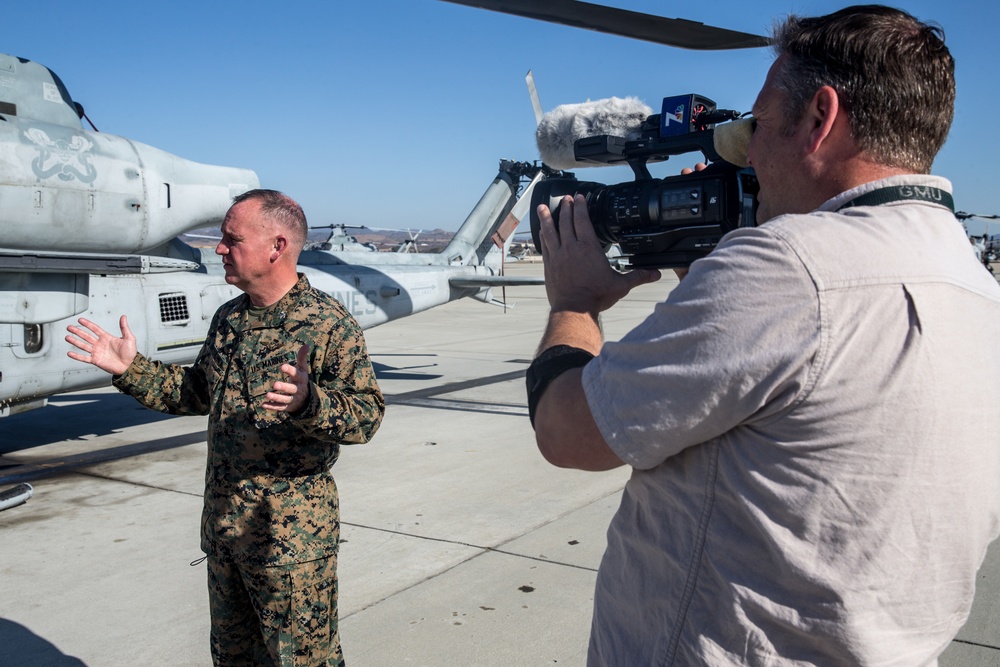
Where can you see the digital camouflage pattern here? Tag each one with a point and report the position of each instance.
(269, 496)
(291, 619)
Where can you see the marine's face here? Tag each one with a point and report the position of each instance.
(247, 245)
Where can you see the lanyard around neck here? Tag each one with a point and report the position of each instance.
(894, 193)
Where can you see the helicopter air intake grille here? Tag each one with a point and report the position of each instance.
(174, 309)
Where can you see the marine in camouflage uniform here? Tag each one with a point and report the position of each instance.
(271, 518)
(285, 378)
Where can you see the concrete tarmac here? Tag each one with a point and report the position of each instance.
(461, 546)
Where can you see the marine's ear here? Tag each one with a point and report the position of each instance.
(280, 245)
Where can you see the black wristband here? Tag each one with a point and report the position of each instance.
(546, 367)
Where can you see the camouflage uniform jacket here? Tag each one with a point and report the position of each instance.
(269, 496)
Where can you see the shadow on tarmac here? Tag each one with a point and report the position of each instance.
(62, 418)
(71, 417)
(20, 647)
(65, 413)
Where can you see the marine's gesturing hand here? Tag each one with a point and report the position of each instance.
(100, 348)
(292, 395)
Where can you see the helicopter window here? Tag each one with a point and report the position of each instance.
(174, 308)
(33, 338)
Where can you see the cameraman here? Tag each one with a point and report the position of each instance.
(812, 481)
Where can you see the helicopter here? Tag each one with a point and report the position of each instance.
(93, 221)
(409, 244)
(990, 240)
(988, 249)
(340, 240)
(336, 238)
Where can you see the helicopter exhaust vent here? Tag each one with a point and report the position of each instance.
(174, 308)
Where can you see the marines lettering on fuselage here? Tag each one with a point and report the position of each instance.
(357, 302)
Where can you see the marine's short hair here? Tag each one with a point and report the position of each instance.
(281, 209)
(893, 75)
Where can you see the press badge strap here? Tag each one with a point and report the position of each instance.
(896, 193)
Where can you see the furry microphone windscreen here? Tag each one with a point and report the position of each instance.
(560, 128)
(732, 141)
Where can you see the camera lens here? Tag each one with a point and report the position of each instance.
(550, 192)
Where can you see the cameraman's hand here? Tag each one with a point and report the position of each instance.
(578, 276)
(700, 166)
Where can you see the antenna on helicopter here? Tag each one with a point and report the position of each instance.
(83, 114)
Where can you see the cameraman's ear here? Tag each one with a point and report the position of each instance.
(822, 113)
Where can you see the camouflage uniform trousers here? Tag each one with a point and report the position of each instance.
(281, 616)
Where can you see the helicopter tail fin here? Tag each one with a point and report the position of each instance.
(486, 233)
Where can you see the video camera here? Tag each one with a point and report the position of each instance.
(660, 223)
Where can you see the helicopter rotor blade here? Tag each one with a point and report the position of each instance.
(536, 104)
(626, 23)
(962, 215)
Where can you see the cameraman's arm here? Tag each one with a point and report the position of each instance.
(580, 284)
(565, 431)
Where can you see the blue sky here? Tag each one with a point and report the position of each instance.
(395, 113)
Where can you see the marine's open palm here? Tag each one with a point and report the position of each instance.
(100, 348)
